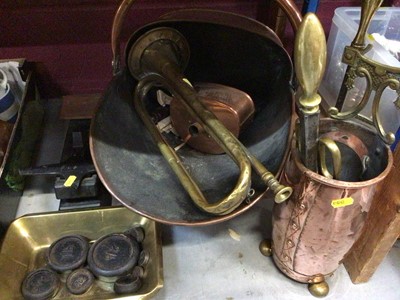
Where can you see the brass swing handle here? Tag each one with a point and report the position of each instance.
(330, 141)
(336, 157)
(288, 6)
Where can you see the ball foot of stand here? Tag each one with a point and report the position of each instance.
(317, 286)
(266, 247)
(320, 289)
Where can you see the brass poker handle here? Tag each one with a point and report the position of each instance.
(288, 6)
(310, 61)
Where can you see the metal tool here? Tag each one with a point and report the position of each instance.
(310, 61)
(378, 76)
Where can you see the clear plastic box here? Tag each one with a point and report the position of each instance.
(345, 22)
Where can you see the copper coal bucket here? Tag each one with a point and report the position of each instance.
(212, 47)
(313, 231)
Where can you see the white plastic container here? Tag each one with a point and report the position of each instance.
(345, 22)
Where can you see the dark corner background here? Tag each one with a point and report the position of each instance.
(70, 39)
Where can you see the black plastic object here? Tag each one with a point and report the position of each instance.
(75, 161)
(137, 232)
(40, 284)
(138, 271)
(79, 281)
(144, 258)
(113, 255)
(68, 253)
(127, 284)
(88, 187)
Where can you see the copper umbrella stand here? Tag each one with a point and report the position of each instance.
(317, 226)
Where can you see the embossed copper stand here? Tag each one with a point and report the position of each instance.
(313, 231)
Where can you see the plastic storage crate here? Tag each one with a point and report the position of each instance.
(345, 22)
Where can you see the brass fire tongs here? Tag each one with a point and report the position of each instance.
(310, 62)
(378, 76)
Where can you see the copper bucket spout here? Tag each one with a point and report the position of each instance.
(313, 231)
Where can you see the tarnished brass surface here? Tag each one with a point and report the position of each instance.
(310, 62)
(378, 76)
(156, 60)
(28, 238)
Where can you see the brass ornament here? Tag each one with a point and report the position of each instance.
(378, 76)
(319, 290)
(266, 247)
(310, 62)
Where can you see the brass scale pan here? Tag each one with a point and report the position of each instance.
(227, 49)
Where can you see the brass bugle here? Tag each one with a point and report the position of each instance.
(157, 59)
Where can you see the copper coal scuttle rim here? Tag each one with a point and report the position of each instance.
(126, 158)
